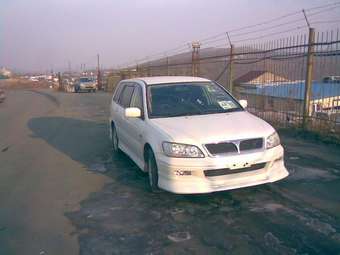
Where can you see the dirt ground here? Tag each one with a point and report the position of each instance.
(16, 83)
(63, 192)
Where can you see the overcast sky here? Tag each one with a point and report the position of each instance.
(37, 35)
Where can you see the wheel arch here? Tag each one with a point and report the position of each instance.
(147, 147)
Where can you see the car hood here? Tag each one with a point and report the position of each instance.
(213, 128)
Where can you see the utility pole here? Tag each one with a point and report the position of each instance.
(69, 66)
(231, 58)
(167, 66)
(309, 78)
(149, 68)
(195, 58)
(99, 82)
(84, 69)
(230, 78)
(60, 82)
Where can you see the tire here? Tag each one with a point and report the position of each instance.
(152, 169)
(114, 139)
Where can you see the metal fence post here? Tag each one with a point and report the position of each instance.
(195, 58)
(309, 78)
(149, 69)
(167, 66)
(60, 82)
(230, 78)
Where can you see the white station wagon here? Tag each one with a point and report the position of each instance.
(191, 136)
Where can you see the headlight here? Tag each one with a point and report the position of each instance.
(272, 141)
(178, 150)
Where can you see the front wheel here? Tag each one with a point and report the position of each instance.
(114, 139)
(152, 169)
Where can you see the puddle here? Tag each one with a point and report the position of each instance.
(156, 214)
(274, 243)
(98, 167)
(321, 227)
(176, 210)
(271, 207)
(179, 236)
(309, 173)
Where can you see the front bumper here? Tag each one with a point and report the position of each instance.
(198, 182)
(87, 88)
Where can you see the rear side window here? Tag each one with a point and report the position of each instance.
(125, 97)
(118, 90)
(137, 98)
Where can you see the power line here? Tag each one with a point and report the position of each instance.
(326, 21)
(216, 38)
(271, 27)
(258, 30)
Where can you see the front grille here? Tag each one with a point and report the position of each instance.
(251, 144)
(221, 148)
(228, 171)
(234, 146)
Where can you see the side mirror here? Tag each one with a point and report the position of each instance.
(243, 103)
(133, 112)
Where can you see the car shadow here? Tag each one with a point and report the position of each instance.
(88, 143)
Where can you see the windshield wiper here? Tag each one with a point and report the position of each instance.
(234, 110)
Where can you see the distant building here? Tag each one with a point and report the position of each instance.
(259, 78)
(5, 73)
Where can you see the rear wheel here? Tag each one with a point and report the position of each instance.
(114, 139)
(152, 169)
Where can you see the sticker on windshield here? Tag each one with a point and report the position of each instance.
(226, 104)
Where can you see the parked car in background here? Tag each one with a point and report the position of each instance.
(2, 96)
(191, 136)
(86, 84)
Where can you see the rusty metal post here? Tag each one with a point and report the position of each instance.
(309, 78)
(60, 82)
(230, 76)
(99, 81)
(149, 69)
(195, 68)
(167, 66)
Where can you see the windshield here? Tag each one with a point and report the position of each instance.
(185, 99)
(85, 79)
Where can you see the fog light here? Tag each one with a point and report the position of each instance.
(181, 172)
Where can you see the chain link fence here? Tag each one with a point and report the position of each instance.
(290, 82)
